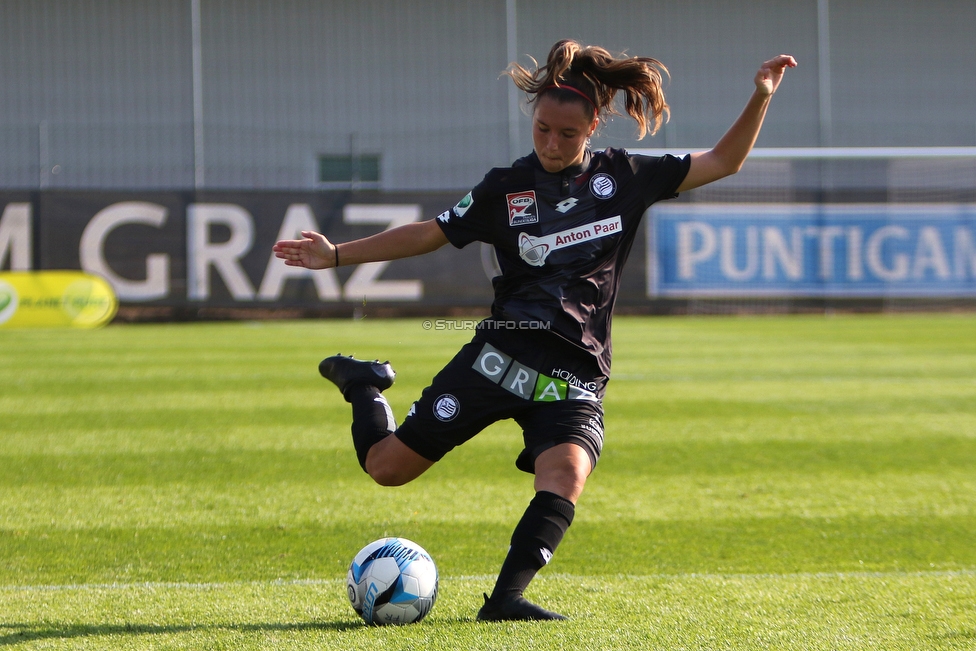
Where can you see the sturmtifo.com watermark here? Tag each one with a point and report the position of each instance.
(488, 324)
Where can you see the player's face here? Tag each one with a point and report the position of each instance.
(559, 133)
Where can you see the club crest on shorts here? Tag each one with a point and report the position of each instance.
(522, 208)
(446, 408)
(603, 186)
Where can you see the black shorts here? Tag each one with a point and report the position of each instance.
(553, 399)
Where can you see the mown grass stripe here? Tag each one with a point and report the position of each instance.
(304, 550)
(168, 585)
(647, 458)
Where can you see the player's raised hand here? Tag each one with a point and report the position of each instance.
(771, 73)
(313, 251)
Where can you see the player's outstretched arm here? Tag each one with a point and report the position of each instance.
(315, 251)
(728, 155)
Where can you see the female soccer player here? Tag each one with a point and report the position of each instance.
(562, 221)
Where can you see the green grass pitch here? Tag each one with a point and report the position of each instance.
(767, 483)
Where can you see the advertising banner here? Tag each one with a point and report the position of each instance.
(213, 249)
(52, 299)
(822, 250)
(193, 251)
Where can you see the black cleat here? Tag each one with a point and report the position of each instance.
(514, 609)
(345, 372)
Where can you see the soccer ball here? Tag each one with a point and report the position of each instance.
(392, 581)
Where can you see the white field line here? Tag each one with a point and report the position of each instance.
(167, 585)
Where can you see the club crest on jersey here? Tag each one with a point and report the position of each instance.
(522, 208)
(603, 186)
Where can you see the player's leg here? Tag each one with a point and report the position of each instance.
(560, 475)
(362, 384)
(563, 470)
(458, 404)
(391, 463)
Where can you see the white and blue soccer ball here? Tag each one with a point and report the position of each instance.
(392, 581)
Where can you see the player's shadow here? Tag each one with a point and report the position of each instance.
(28, 632)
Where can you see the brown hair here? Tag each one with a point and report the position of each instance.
(593, 75)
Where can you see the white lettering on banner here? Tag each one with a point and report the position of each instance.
(930, 254)
(535, 250)
(15, 236)
(728, 256)
(964, 252)
(364, 283)
(899, 270)
(201, 253)
(696, 244)
(92, 250)
(855, 242)
(688, 254)
(790, 257)
(298, 218)
(826, 237)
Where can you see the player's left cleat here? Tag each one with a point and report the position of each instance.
(345, 372)
(514, 609)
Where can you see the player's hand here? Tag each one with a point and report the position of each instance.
(313, 251)
(771, 73)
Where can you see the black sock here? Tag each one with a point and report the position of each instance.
(534, 541)
(372, 418)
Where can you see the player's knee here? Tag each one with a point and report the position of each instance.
(562, 474)
(390, 463)
(386, 475)
(571, 480)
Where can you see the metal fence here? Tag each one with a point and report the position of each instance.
(249, 94)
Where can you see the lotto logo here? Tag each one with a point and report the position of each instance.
(566, 205)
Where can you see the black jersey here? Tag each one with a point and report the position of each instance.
(562, 239)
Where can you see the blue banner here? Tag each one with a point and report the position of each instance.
(830, 250)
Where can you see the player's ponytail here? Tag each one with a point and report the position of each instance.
(592, 76)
